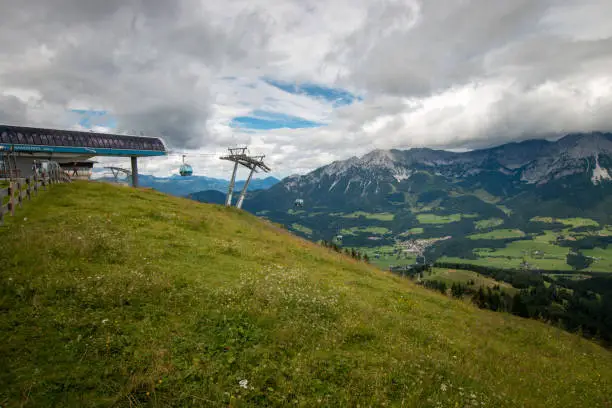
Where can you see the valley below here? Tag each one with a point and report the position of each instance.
(533, 205)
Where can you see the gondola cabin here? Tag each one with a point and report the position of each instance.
(185, 169)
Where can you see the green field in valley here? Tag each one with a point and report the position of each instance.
(370, 216)
(488, 223)
(301, 228)
(386, 256)
(113, 296)
(430, 218)
(438, 219)
(412, 231)
(369, 230)
(602, 258)
(573, 222)
(450, 276)
(499, 234)
(541, 252)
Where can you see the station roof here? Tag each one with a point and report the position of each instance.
(40, 140)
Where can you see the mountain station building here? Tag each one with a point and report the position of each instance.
(25, 146)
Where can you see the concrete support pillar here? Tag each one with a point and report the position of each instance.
(244, 189)
(230, 190)
(134, 171)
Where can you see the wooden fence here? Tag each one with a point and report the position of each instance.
(22, 189)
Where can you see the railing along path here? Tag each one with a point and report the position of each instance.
(22, 189)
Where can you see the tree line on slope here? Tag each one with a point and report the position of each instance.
(347, 251)
(583, 307)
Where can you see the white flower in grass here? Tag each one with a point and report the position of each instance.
(443, 387)
(104, 321)
(244, 384)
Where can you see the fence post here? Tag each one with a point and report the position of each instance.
(28, 188)
(11, 202)
(1, 210)
(19, 201)
(35, 183)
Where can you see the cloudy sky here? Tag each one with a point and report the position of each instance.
(306, 82)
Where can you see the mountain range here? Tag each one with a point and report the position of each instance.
(442, 193)
(379, 178)
(183, 186)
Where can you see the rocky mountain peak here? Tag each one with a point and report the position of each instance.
(378, 157)
(384, 177)
(532, 161)
(585, 145)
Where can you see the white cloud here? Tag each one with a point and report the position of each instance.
(451, 74)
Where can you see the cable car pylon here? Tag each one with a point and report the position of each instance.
(253, 163)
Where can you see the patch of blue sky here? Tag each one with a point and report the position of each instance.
(90, 118)
(337, 96)
(265, 120)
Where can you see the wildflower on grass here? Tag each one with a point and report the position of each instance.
(443, 387)
(244, 384)
(104, 321)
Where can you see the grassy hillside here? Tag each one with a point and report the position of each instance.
(117, 297)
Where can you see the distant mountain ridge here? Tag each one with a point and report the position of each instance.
(503, 171)
(535, 161)
(183, 186)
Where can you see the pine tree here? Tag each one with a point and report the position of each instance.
(519, 307)
(457, 290)
(479, 298)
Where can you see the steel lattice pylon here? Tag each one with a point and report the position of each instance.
(238, 156)
(117, 170)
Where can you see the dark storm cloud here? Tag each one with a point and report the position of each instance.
(149, 63)
(437, 73)
(181, 126)
(450, 43)
(12, 110)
